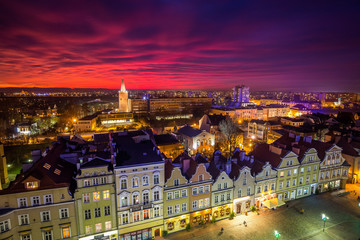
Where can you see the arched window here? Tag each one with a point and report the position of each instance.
(198, 143)
(135, 182)
(135, 198)
(145, 180)
(123, 183)
(146, 198)
(156, 178)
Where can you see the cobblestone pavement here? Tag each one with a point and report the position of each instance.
(343, 223)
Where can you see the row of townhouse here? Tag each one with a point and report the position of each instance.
(135, 193)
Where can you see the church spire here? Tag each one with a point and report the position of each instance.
(123, 89)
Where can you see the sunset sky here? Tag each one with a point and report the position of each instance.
(169, 44)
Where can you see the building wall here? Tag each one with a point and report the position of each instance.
(176, 221)
(153, 225)
(222, 196)
(287, 177)
(243, 193)
(36, 226)
(106, 190)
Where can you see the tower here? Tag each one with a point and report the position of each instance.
(123, 98)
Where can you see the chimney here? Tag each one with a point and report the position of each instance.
(185, 165)
(296, 150)
(228, 167)
(77, 166)
(242, 155)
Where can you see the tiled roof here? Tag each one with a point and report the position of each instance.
(200, 159)
(96, 162)
(168, 170)
(348, 149)
(51, 170)
(215, 119)
(128, 152)
(263, 154)
(189, 131)
(213, 170)
(165, 139)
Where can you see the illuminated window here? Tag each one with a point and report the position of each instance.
(201, 203)
(106, 194)
(135, 182)
(98, 227)
(207, 202)
(96, 196)
(32, 185)
(108, 225)
(136, 216)
(88, 229)
(135, 198)
(65, 232)
(146, 214)
(281, 174)
(47, 166)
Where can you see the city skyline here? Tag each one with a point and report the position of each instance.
(181, 45)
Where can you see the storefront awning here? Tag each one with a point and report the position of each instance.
(269, 204)
(277, 202)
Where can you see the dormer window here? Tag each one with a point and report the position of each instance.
(47, 166)
(31, 185)
(201, 177)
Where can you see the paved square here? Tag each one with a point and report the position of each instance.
(343, 222)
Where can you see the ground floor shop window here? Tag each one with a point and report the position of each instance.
(306, 190)
(227, 211)
(222, 212)
(248, 204)
(182, 223)
(139, 235)
(171, 226)
(207, 217)
(337, 183)
(216, 214)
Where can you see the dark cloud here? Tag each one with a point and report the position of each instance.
(311, 45)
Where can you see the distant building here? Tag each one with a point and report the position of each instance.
(196, 140)
(170, 108)
(259, 129)
(241, 95)
(169, 145)
(123, 98)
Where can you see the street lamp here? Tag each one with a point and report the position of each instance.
(324, 218)
(277, 234)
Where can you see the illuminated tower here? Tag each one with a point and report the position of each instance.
(123, 98)
(241, 95)
(3, 167)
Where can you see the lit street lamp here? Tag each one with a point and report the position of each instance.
(324, 218)
(277, 234)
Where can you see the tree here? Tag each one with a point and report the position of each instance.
(231, 134)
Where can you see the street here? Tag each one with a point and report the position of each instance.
(343, 223)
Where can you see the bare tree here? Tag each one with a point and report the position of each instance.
(231, 134)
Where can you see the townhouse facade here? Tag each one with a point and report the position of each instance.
(139, 181)
(39, 204)
(177, 204)
(95, 201)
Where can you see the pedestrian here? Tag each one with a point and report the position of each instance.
(222, 229)
(244, 222)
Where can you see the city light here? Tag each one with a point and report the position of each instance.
(277, 234)
(324, 218)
